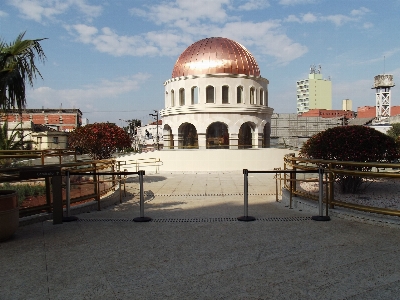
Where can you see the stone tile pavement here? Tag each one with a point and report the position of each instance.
(196, 249)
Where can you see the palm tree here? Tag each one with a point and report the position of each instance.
(17, 67)
(14, 140)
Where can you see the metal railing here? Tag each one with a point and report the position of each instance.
(37, 154)
(331, 169)
(85, 187)
(139, 163)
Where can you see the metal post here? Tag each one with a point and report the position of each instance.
(246, 217)
(68, 192)
(142, 218)
(321, 216)
(291, 190)
(57, 200)
(68, 217)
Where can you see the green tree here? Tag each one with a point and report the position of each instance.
(132, 125)
(351, 143)
(14, 141)
(394, 132)
(17, 67)
(99, 140)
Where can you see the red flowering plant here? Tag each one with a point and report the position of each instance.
(99, 140)
(351, 143)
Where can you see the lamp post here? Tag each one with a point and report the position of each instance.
(155, 115)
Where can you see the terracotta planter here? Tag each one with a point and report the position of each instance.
(9, 214)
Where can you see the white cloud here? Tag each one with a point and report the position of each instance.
(151, 43)
(254, 5)
(87, 95)
(183, 27)
(265, 38)
(295, 2)
(3, 14)
(193, 11)
(38, 10)
(305, 18)
(359, 12)
(309, 18)
(339, 19)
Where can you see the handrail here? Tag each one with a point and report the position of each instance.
(330, 168)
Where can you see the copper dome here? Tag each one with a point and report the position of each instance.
(215, 55)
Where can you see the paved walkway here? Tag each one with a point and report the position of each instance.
(196, 249)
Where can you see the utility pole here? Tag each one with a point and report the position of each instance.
(155, 115)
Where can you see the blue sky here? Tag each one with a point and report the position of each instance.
(110, 58)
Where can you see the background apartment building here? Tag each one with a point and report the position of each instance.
(314, 92)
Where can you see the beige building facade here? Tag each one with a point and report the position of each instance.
(315, 92)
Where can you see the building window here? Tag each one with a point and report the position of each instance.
(210, 94)
(252, 95)
(261, 97)
(239, 92)
(55, 140)
(195, 95)
(172, 98)
(225, 94)
(39, 139)
(182, 96)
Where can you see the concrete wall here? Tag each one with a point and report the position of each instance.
(210, 160)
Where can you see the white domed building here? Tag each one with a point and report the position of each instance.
(216, 98)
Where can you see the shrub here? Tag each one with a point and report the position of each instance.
(351, 143)
(99, 140)
(24, 190)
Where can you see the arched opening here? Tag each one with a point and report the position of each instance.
(261, 97)
(266, 136)
(210, 94)
(195, 95)
(168, 137)
(225, 94)
(188, 137)
(172, 98)
(182, 96)
(252, 101)
(217, 136)
(266, 98)
(239, 94)
(246, 136)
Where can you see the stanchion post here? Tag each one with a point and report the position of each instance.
(331, 186)
(321, 216)
(68, 192)
(246, 217)
(290, 190)
(142, 218)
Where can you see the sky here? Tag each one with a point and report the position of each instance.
(110, 58)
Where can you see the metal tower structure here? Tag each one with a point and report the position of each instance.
(382, 85)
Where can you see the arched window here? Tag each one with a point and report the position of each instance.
(225, 94)
(182, 96)
(209, 94)
(195, 95)
(172, 98)
(266, 98)
(252, 96)
(239, 92)
(261, 97)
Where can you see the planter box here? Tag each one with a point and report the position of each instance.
(9, 214)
